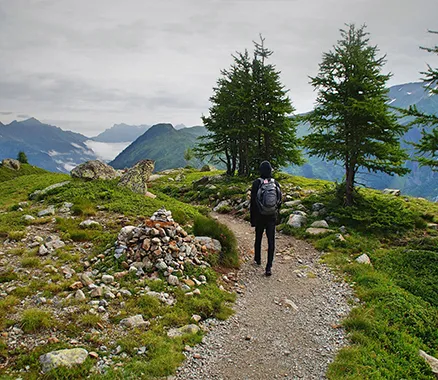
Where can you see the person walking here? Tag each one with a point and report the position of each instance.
(265, 204)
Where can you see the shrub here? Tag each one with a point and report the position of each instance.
(206, 226)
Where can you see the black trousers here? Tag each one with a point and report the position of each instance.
(267, 225)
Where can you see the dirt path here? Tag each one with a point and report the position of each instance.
(286, 326)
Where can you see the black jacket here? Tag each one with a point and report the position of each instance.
(256, 217)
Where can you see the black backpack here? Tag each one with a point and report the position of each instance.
(267, 196)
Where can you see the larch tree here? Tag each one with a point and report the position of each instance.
(352, 122)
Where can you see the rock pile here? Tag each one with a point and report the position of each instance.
(162, 244)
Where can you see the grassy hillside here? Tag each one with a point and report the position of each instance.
(6, 174)
(398, 310)
(39, 311)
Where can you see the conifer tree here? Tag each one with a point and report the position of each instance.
(427, 147)
(248, 120)
(352, 122)
(22, 157)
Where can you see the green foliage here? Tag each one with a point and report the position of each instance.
(22, 158)
(427, 148)
(206, 226)
(36, 319)
(7, 174)
(248, 120)
(352, 122)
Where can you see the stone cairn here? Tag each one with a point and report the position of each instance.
(162, 244)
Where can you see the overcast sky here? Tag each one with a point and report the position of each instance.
(84, 65)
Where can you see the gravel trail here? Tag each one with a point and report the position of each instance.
(285, 326)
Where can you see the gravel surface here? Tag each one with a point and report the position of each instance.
(285, 327)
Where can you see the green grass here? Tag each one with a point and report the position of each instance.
(35, 319)
(7, 174)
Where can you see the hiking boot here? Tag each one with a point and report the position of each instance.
(268, 272)
(258, 263)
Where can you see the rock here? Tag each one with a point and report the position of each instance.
(205, 168)
(317, 231)
(148, 194)
(136, 321)
(126, 234)
(137, 177)
(364, 259)
(290, 304)
(339, 237)
(320, 224)
(297, 221)
(395, 192)
(293, 203)
(107, 279)
(38, 193)
(48, 211)
(221, 204)
(85, 279)
(432, 226)
(154, 177)
(96, 292)
(212, 245)
(197, 292)
(89, 223)
(76, 285)
(42, 251)
(93, 170)
(189, 282)
(432, 361)
(317, 206)
(80, 296)
(64, 358)
(173, 280)
(12, 164)
(196, 318)
(28, 218)
(343, 229)
(188, 329)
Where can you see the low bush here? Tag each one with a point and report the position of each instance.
(35, 319)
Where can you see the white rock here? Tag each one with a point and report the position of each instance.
(173, 280)
(65, 358)
(320, 224)
(89, 223)
(79, 295)
(297, 221)
(135, 321)
(42, 251)
(364, 259)
(107, 279)
(432, 361)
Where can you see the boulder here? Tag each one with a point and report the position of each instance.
(65, 358)
(211, 244)
(318, 231)
(135, 321)
(364, 259)
(48, 211)
(93, 170)
(297, 221)
(188, 329)
(137, 177)
(320, 224)
(293, 203)
(10, 163)
(395, 192)
(317, 206)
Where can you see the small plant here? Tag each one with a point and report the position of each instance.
(35, 319)
(30, 262)
(89, 320)
(16, 235)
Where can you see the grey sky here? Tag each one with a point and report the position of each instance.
(87, 64)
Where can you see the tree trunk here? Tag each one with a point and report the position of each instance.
(349, 185)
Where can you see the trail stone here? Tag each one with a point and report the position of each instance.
(42, 251)
(89, 223)
(320, 224)
(317, 206)
(107, 279)
(293, 203)
(297, 221)
(364, 259)
(94, 170)
(188, 329)
(12, 164)
(48, 211)
(135, 321)
(173, 280)
(64, 358)
(80, 296)
(221, 204)
(96, 292)
(28, 218)
(137, 177)
(85, 279)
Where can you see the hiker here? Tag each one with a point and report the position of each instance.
(265, 205)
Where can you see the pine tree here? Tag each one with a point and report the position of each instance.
(22, 157)
(352, 122)
(427, 147)
(248, 120)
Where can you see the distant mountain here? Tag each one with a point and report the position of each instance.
(119, 133)
(179, 126)
(420, 182)
(46, 146)
(162, 143)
